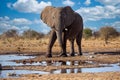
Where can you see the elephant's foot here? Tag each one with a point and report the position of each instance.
(72, 54)
(80, 54)
(63, 55)
(49, 55)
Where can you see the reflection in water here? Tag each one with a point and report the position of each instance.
(59, 71)
(111, 67)
(59, 63)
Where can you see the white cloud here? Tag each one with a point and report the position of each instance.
(116, 24)
(19, 24)
(9, 5)
(29, 6)
(15, 28)
(21, 21)
(4, 18)
(109, 2)
(99, 12)
(4, 24)
(68, 3)
(109, 10)
(87, 2)
(25, 28)
(44, 28)
(22, 24)
(36, 21)
(4, 27)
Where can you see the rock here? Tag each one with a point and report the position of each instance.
(91, 56)
(11, 74)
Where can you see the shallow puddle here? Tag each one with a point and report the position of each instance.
(109, 68)
(17, 73)
(14, 57)
(6, 60)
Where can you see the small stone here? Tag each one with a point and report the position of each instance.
(91, 56)
(11, 74)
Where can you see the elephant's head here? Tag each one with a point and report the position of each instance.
(58, 19)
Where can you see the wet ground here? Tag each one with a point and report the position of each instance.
(16, 65)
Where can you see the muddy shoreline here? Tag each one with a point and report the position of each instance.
(85, 61)
(72, 76)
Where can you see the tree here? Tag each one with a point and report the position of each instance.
(96, 34)
(10, 34)
(107, 32)
(32, 34)
(87, 33)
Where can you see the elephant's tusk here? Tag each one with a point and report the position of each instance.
(66, 29)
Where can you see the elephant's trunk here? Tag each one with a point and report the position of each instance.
(59, 37)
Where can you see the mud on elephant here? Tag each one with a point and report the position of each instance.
(65, 24)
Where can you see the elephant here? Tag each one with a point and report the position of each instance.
(65, 24)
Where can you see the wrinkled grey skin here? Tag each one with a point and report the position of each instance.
(65, 24)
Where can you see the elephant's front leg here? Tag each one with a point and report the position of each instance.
(64, 54)
(51, 43)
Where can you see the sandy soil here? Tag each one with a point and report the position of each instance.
(79, 76)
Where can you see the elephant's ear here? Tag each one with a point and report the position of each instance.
(46, 15)
(70, 16)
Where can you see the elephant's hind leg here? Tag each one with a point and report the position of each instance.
(72, 52)
(78, 41)
(51, 43)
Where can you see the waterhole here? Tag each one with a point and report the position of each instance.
(109, 68)
(7, 60)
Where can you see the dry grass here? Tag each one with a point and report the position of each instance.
(27, 45)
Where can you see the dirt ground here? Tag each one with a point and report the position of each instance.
(40, 46)
(93, 50)
(78, 76)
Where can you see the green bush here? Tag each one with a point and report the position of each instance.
(87, 33)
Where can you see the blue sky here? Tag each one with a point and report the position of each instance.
(25, 14)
